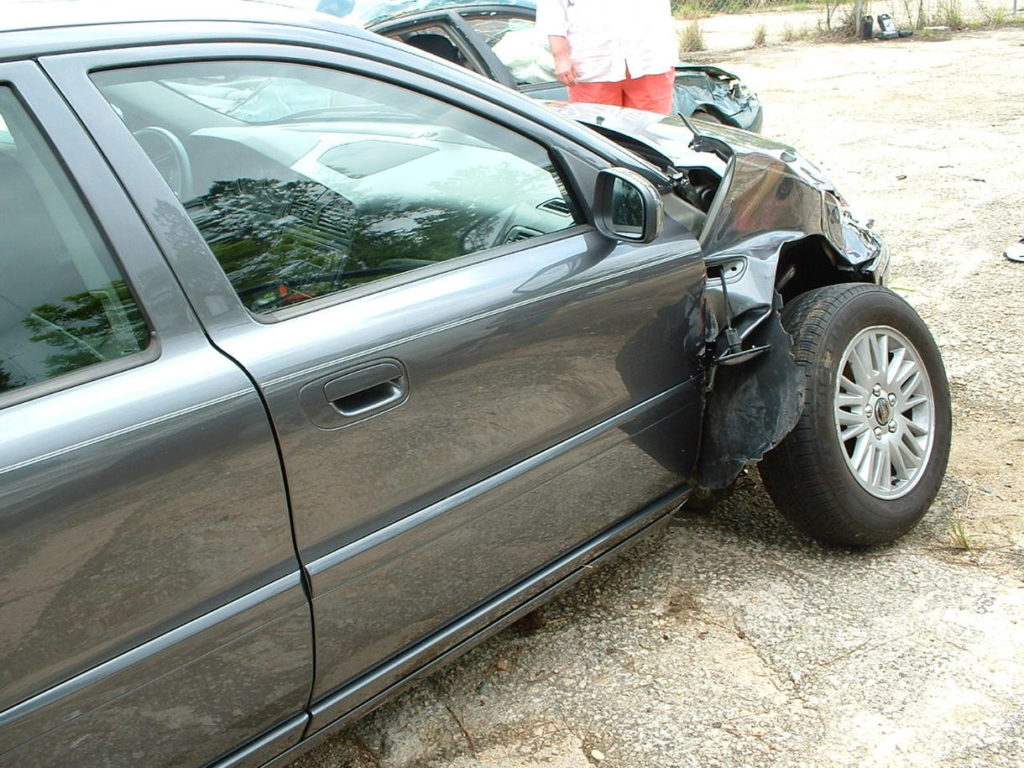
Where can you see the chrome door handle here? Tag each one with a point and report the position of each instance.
(347, 397)
(367, 390)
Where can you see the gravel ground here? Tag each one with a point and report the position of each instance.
(731, 641)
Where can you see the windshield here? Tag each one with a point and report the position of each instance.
(271, 99)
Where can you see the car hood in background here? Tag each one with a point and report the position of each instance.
(366, 13)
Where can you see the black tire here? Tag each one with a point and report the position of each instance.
(843, 475)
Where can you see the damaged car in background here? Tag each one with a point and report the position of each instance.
(498, 39)
(322, 359)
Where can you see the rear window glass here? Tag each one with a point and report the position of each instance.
(64, 305)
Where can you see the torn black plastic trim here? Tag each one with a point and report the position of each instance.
(750, 408)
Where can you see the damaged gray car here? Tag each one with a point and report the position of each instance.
(322, 359)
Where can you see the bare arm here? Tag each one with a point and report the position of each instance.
(564, 70)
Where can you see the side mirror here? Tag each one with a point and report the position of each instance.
(627, 206)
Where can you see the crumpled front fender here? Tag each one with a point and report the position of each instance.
(769, 198)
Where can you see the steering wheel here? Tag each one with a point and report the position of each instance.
(168, 154)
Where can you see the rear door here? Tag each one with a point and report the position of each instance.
(466, 379)
(151, 610)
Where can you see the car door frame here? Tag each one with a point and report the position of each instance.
(482, 55)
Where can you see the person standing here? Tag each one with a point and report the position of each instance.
(619, 52)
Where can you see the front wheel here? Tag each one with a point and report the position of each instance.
(869, 451)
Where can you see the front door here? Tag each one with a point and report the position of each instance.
(465, 378)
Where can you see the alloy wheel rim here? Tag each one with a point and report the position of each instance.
(884, 412)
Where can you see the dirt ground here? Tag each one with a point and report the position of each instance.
(731, 641)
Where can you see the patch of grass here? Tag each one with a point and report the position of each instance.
(791, 34)
(948, 14)
(993, 16)
(935, 35)
(959, 537)
(760, 36)
(692, 37)
(689, 10)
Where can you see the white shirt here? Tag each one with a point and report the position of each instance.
(610, 38)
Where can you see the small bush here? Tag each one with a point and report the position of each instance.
(760, 35)
(949, 15)
(993, 15)
(692, 37)
(849, 25)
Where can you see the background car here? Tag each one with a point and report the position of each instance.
(498, 40)
(321, 359)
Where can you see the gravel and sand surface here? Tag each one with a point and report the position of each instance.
(729, 640)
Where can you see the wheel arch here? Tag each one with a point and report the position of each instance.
(810, 263)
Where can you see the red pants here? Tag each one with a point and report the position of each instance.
(650, 92)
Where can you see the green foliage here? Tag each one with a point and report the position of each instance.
(948, 14)
(7, 381)
(692, 37)
(993, 16)
(79, 330)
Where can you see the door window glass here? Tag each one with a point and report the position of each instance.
(518, 45)
(64, 305)
(305, 181)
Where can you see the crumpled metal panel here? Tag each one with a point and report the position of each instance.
(751, 408)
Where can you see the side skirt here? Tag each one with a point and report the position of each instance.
(342, 707)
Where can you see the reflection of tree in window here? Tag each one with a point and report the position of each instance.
(7, 380)
(280, 242)
(628, 208)
(81, 332)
